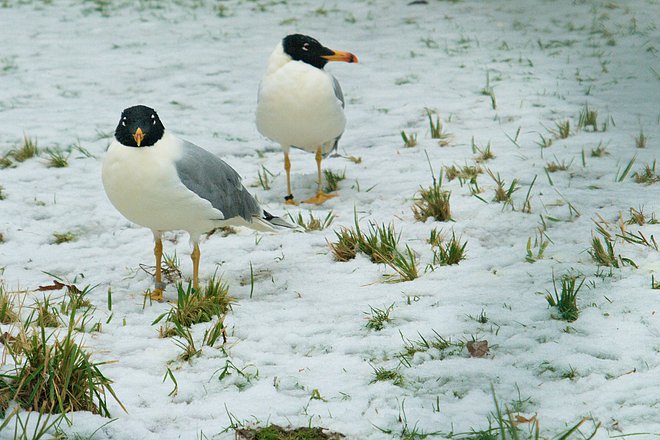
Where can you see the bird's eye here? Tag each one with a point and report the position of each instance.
(154, 122)
(123, 123)
(305, 47)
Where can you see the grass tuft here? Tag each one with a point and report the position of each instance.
(464, 174)
(483, 154)
(63, 237)
(566, 299)
(503, 194)
(275, 432)
(640, 141)
(647, 176)
(57, 158)
(562, 129)
(8, 313)
(504, 425)
(450, 253)
(56, 374)
(554, 166)
(639, 217)
(378, 317)
(27, 150)
(433, 202)
(603, 249)
(380, 244)
(588, 119)
(436, 129)
(264, 176)
(382, 374)
(409, 140)
(197, 306)
(312, 223)
(599, 151)
(332, 180)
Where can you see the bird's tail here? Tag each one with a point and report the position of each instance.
(268, 222)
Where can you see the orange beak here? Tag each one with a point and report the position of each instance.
(138, 136)
(338, 55)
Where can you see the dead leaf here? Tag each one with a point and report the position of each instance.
(518, 419)
(477, 349)
(55, 286)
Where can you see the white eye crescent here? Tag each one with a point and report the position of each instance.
(305, 47)
(123, 123)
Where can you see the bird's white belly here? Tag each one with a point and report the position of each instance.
(143, 185)
(298, 107)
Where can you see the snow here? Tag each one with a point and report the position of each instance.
(69, 68)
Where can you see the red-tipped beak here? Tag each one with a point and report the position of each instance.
(338, 55)
(138, 136)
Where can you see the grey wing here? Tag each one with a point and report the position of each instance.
(338, 93)
(340, 96)
(212, 179)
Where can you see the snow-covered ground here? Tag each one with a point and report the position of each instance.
(68, 68)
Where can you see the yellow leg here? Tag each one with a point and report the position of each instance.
(321, 196)
(288, 199)
(157, 294)
(195, 260)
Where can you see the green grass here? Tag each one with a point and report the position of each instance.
(554, 166)
(42, 427)
(565, 299)
(432, 202)
(264, 176)
(332, 180)
(484, 154)
(379, 243)
(540, 243)
(603, 250)
(435, 237)
(377, 318)
(502, 193)
(449, 253)
(312, 223)
(382, 374)
(588, 119)
(503, 425)
(562, 129)
(640, 218)
(275, 432)
(55, 373)
(436, 128)
(27, 150)
(57, 158)
(648, 175)
(63, 237)
(8, 312)
(488, 90)
(599, 151)
(463, 174)
(442, 347)
(197, 306)
(409, 140)
(640, 141)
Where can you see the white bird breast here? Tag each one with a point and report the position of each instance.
(298, 107)
(142, 183)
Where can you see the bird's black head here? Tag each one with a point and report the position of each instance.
(139, 126)
(309, 50)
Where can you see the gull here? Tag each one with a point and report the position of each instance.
(165, 183)
(300, 105)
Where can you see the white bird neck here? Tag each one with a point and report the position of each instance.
(277, 59)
